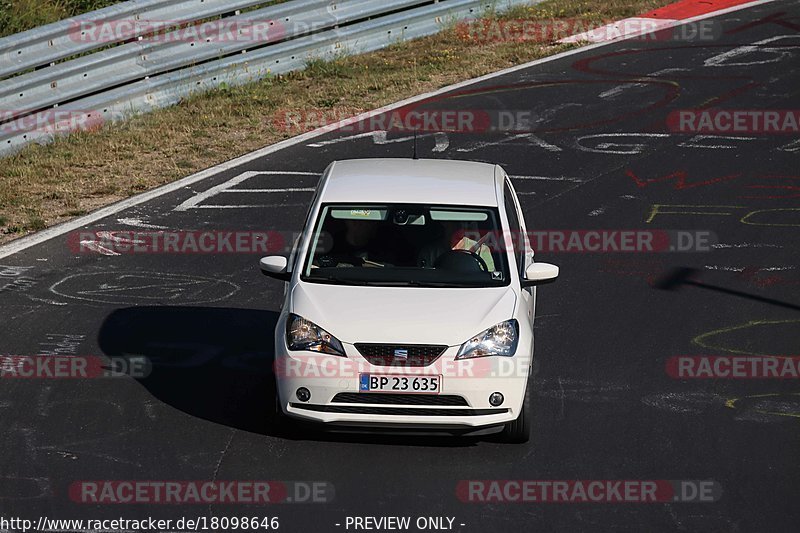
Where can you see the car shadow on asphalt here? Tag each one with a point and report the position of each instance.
(216, 363)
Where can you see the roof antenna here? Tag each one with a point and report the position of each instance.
(415, 144)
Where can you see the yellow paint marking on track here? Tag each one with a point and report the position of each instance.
(731, 404)
(656, 210)
(746, 219)
(700, 340)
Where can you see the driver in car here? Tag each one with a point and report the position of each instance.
(454, 237)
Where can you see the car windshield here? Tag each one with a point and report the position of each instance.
(406, 245)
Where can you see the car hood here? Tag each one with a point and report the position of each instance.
(400, 315)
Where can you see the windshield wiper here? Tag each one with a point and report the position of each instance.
(394, 283)
(415, 283)
(333, 279)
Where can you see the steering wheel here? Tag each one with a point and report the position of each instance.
(455, 260)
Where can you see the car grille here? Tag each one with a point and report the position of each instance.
(397, 411)
(384, 354)
(399, 399)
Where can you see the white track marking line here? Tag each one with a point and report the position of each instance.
(378, 137)
(603, 148)
(721, 60)
(381, 137)
(742, 269)
(227, 187)
(549, 178)
(530, 137)
(693, 142)
(617, 90)
(746, 245)
(622, 29)
(287, 173)
(138, 223)
(213, 191)
(94, 246)
(60, 229)
(292, 189)
(253, 206)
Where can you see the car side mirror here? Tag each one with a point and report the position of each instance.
(275, 266)
(539, 274)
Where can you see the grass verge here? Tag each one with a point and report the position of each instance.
(21, 15)
(44, 185)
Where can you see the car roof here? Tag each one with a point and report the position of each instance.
(413, 181)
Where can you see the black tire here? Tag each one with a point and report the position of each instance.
(519, 430)
(277, 420)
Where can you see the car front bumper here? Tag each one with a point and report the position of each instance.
(461, 405)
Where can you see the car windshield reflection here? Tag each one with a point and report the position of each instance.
(406, 245)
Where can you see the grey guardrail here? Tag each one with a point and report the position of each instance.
(46, 44)
(67, 81)
(171, 87)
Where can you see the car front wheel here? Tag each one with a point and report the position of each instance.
(519, 430)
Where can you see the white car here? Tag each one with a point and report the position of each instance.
(410, 301)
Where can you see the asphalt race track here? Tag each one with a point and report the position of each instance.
(601, 157)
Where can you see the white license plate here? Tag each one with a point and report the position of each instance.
(399, 383)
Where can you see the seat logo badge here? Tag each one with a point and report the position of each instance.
(401, 353)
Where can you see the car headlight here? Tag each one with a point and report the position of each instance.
(501, 339)
(302, 334)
